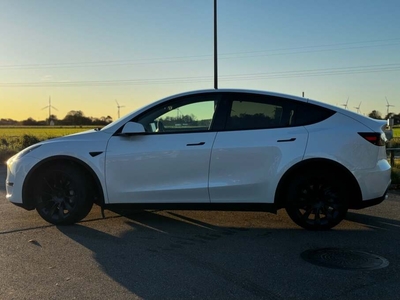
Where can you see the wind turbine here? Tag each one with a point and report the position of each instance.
(358, 107)
(388, 105)
(345, 104)
(49, 107)
(119, 107)
(178, 111)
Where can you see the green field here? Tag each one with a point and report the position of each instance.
(41, 132)
(14, 139)
(396, 132)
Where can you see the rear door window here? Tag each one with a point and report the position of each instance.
(251, 111)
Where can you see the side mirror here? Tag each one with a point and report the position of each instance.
(132, 128)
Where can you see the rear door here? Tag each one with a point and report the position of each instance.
(258, 144)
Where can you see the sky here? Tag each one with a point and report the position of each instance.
(90, 54)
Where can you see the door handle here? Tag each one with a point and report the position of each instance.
(196, 144)
(288, 140)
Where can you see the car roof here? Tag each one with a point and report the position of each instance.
(112, 127)
(248, 91)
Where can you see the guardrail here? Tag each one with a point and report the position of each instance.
(392, 150)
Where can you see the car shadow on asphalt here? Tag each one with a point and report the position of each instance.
(166, 254)
(373, 222)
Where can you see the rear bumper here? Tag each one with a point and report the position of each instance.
(374, 182)
(368, 203)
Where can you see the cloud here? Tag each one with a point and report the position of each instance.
(50, 79)
(47, 78)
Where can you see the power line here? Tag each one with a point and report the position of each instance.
(319, 72)
(223, 56)
(308, 51)
(319, 46)
(250, 76)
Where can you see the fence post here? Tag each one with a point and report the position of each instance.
(391, 157)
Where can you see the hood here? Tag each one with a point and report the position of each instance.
(91, 135)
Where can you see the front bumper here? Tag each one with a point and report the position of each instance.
(17, 170)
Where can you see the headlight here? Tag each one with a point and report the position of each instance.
(22, 153)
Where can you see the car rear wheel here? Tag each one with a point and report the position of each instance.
(317, 200)
(61, 195)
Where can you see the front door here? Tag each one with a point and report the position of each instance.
(170, 162)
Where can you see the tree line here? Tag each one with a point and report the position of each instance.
(73, 118)
(377, 115)
(184, 120)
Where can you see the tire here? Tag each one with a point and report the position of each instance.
(61, 196)
(317, 200)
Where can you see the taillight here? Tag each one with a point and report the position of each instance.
(373, 137)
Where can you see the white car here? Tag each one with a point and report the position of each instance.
(212, 150)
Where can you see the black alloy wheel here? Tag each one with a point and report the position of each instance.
(61, 196)
(317, 200)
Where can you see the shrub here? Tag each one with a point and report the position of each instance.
(395, 175)
(29, 140)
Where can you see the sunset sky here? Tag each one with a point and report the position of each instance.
(86, 54)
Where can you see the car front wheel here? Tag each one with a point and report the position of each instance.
(316, 200)
(61, 195)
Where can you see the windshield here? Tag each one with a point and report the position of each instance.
(109, 125)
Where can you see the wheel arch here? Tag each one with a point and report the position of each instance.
(322, 164)
(95, 184)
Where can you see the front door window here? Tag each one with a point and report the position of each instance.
(176, 118)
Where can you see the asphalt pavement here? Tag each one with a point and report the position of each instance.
(196, 255)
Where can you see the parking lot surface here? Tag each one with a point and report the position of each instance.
(197, 255)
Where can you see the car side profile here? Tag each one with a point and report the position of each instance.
(220, 149)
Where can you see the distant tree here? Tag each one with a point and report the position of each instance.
(182, 119)
(42, 123)
(102, 120)
(8, 122)
(396, 118)
(73, 117)
(52, 118)
(29, 122)
(375, 115)
(76, 117)
(389, 116)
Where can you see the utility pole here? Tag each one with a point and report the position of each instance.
(215, 47)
